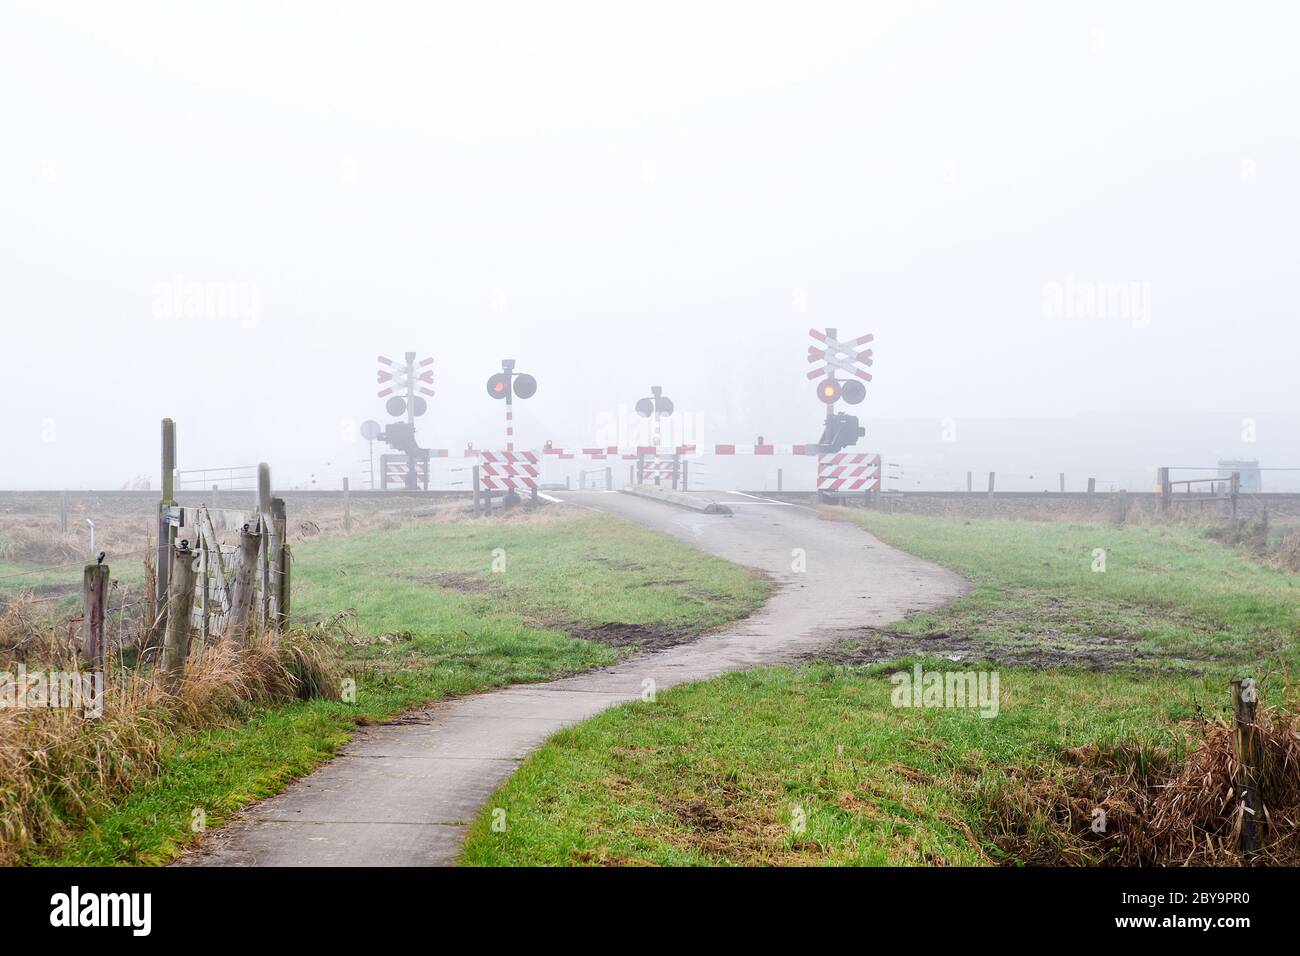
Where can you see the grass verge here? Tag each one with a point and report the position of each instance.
(429, 611)
(815, 764)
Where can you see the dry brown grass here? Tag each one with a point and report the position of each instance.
(1159, 811)
(57, 764)
(38, 540)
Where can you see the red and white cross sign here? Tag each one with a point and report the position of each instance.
(844, 356)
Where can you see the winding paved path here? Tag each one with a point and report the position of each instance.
(403, 793)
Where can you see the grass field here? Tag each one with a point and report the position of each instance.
(432, 619)
(815, 765)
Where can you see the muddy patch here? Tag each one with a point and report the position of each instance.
(453, 581)
(871, 646)
(646, 637)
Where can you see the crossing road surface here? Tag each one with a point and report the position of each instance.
(403, 793)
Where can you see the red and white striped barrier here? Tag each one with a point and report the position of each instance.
(848, 472)
(395, 472)
(508, 470)
(659, 469)
(613, 451)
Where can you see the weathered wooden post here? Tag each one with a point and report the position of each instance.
(970, 486)
(94, 598)
(1166, 490)
(347, 507)
(1236, 489)
(267, 539)
(166, 533)
(1092, 489)
(1246, 748)
(1122, 506)
(1062, 482)
(180, 601)
(991, 483)
(474, 482)
(283, 596)
(63, 512)
(204, 589)
(277, 560)
(244, 588)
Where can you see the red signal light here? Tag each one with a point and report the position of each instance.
(829, 391)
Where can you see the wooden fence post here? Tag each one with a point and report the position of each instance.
(94, 597)
(1236, 489)
(779, 478)
(204, 579)
(276, 560)
(1062, 482)
(991, 483)
(1166, 490)
(474, 482)
(283, 596)
(1092, 488)
(609, 478)
(347, 507)
(166, 533)
(244, 588)
(1122, 506)
(1246, 747)
(267, 539)
(180, 601)
(63, 512)
(970, 482)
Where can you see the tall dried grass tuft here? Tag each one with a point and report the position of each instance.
(1159, 811)
(58, 765)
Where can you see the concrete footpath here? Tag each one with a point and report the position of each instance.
(403, 793)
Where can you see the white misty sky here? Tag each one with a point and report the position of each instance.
(622, 195)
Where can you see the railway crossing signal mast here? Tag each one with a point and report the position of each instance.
(404, 385)
(507, 384)
(841, 430)
(656, 405)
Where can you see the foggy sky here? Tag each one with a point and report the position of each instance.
(619, 196)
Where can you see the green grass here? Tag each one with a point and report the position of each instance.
(441, 622)
(1181, 600)
(720, 772)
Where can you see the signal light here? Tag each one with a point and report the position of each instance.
(853, 391)
(829, 391)
(500, 386)
(525, 386)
